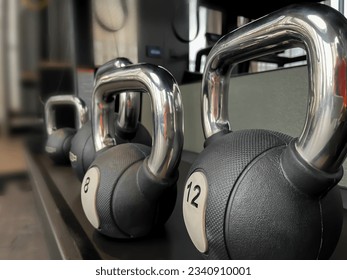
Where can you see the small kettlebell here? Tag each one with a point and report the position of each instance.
(59, 139)
(130, 189)
(258, 194)
(127, 128)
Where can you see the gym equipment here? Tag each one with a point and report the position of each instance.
(258, 194)
(59, 139)
(130, 189)
(126, 125)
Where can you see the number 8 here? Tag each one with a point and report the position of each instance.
(86, 185)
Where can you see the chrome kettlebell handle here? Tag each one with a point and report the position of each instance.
(129, 102)
(320, 30)
(77, 103)
(167, 140)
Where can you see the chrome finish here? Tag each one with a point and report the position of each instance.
(167, 111)
(319, 29)
(80, 106)
(129, 111)
(111, 65)
(129, 102)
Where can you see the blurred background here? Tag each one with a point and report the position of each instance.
(50, 47)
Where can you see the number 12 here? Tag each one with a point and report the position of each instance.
(197, 189)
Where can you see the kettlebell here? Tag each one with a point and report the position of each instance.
(129, 190)
(259, 194)
(127, 128)
(59, 139)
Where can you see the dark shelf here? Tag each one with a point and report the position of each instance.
(70, 236)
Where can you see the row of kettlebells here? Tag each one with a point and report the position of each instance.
(128, 188)
(76, 145)
(252, 194)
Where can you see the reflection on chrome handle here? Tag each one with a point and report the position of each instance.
(321, 30)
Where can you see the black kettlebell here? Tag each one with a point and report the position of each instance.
(59, 139)
(258, 194)
(127, 128)
(130, 189)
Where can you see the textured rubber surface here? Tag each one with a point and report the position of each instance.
(222, 162)
(82, 150)
(254, 212)
(141, 136)
(332, 221)
(136, 212)
(58, 145)
(112, 164)
(307, 178)
(268, 218)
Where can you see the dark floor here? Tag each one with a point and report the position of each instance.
(21, 233)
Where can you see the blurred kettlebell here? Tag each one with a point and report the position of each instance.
(258, 194)
(130, 189)
(59, 139)
(127, 128)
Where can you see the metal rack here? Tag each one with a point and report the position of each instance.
(69, 234)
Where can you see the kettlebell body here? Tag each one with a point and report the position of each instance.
(58, 144)
(252, 210)
(125, 206)
(259, 194)
(82, 151)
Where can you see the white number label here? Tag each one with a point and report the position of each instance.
(194, 208)
(90, 185)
